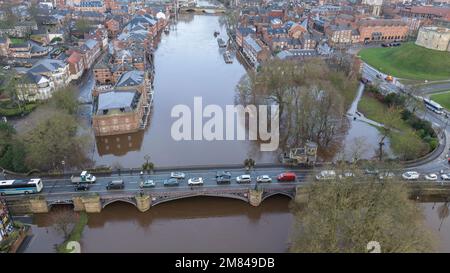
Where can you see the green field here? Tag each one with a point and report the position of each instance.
(409, 61)
(442, 98)
(17, 41)
(399, 140)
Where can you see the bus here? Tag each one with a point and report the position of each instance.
(433, 106)
(21, 186)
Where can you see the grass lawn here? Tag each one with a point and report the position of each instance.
(375, 110)
(409, 61)
(17, 41)
(443, 99)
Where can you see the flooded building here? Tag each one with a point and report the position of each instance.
(125, 107)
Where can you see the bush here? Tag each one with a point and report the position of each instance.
(13, 112)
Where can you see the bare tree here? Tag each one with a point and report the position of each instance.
(64, 219)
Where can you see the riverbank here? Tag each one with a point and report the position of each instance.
(75, 234)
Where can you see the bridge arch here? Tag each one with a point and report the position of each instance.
(287, 194)
(123, 200)
(174, 198)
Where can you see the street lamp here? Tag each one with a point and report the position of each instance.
(63, 164)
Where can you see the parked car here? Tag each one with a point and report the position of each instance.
(115, 185)
(346, 174)
(81, 187)
(431, 177)
(326, 175)
(445, 176)
(171, 182)
(223, 177)
(147, 183)
(195, 181)
(286, 177)
(178, 175)
(263, 179)
(411, 175)
(245, 178)
(371, 171)
(386, 175)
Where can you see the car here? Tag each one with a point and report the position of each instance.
(386, 175)
(81, 187)
(411, 175)
(448, 160)
(371, 171)
(223, 177)
(346, 174)
(178, 175)
(7, 67)
(195, 181)
(115, 185)
(326, 175)
(263, 179)
(286, 177)
(147, 183)
(245, 178)
(223, 173)
(431, 177)
(445, 176)
(171, 182)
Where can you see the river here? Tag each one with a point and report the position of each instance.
(188, 64)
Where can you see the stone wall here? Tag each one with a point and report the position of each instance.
(436, 38)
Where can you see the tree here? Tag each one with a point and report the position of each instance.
(55, 140)
(344, 215)
(66, 99)
(310, 99)
(82, 25)
(12, 151)
(64, 220)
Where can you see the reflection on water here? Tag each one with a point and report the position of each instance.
(199, 224)
(437, 219)
(119, 145)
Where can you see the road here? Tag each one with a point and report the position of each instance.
(439, 163)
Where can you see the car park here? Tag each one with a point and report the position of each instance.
(431, 177)
(147, 183)
(178, 175)
(171, 182)
(411, 175)
(115, 185)
(263, 179)
(81, 187)
(245, 178)
(195, 181)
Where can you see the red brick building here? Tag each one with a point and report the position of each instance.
(382, 30)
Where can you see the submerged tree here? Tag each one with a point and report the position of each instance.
(344, 215)
(311, 99)
(55, 140)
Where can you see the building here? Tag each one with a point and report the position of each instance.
(339, 34)
(56, 71)
(382, 30)
(436, 38)
(33, 87)
(6, 223)
(256, 52)
(125, 107)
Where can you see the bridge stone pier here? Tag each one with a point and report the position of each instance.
(143, 202)
(38, 205)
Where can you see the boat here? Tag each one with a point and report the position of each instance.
(227, 57)
(221, 42)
